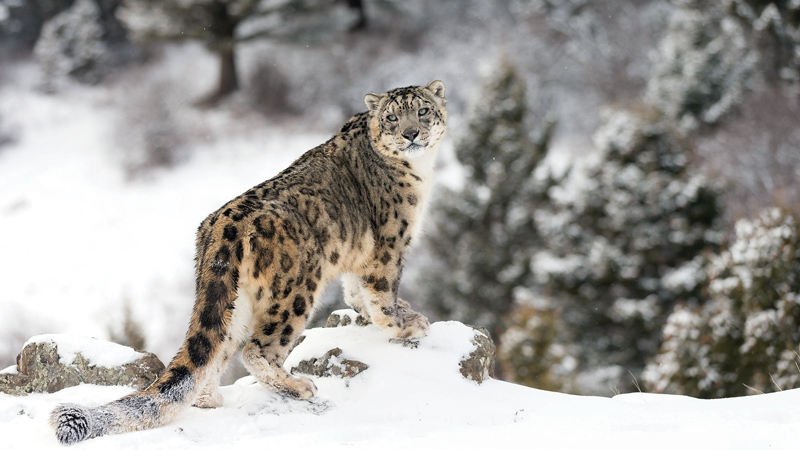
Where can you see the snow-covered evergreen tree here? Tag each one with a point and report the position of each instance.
(530, 351)
(21, 22)
(72, 44)
(484, 233)
(627, 245)
(745, 339)
(755, 150)
(776, 26)
(703, 65)
(85, 42)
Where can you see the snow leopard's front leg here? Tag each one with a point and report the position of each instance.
(374, 296)
(354, 294)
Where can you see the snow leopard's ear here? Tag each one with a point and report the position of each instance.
(372, 101)
(437, 88)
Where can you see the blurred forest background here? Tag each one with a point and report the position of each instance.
(618, 198)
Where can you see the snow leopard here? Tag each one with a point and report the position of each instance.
(348, 208)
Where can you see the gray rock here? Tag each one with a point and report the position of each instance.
(329, 365)
(409, 343)
(39, 370)
(479, 365)
(342, 319)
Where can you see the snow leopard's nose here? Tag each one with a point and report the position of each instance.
(410, 134)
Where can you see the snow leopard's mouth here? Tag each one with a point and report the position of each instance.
(413, 150)
(414, 147)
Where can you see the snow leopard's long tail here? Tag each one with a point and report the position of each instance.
(193, 375)
(189, 379)
(148, 408)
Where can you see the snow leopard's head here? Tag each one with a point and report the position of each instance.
(407, 122)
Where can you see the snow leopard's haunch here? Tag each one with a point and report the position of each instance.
(350, 207)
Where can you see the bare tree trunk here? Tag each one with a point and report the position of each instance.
(223, 30)
(228, 76)
(361, 23)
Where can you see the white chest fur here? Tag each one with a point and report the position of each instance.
(423, 167)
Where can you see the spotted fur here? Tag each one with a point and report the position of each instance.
(350, 207)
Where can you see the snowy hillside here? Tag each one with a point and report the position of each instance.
(79, 239)
(416, 398)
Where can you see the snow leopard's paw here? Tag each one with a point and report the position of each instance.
(414, 325)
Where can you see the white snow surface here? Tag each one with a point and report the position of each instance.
(416, 398)
(96, 352)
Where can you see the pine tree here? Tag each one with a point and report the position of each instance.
(484, 233)
(72, 44)
(85, 42)
(745, 339)
(625, 247)
(530, 351)
(703, 65)
(21, 22)
(776, 27)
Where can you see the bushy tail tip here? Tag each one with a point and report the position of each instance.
(72, 423)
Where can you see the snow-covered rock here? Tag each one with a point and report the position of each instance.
(345, 317)
(330, 365)
(348, 344)
(51, 362)
(478, 366)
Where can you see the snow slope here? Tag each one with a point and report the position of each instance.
(78, 239)
(416, 398)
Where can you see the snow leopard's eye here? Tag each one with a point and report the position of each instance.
(391, 118)
(422, 112)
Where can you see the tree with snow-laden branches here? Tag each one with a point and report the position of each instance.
(776, 28)
(531, 351)
(484, 233)
(745, 339)
(703, 65)
(84, 41)
(625, 246)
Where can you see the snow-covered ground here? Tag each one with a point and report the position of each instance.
(416, 398)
